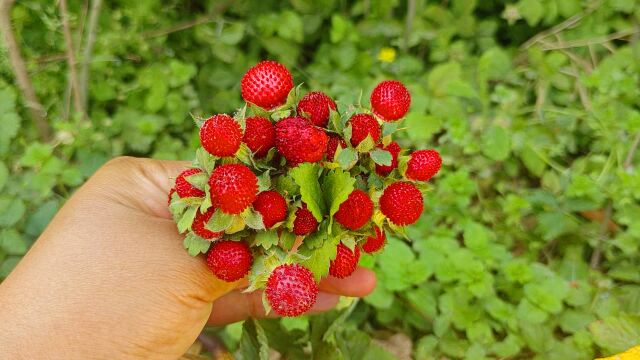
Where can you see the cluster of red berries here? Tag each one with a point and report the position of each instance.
(265, 189)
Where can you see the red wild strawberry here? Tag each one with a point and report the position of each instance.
(363, 125)
(272, 206)
(267, 84)
(305, 223)
(299, 141)
(423, 165)
(200, 222)
(354, 212)
(345, 262)
(184, 188)
(376, 242)
(221, 135)
(316, 106)
(390, 100)
(291, 290)
(259, 135)
(233, 187)
(229, 260)
(171, 192)
(402, 203)
(394, 149)
(332, 146)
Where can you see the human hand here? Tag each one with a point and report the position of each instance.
(109, 278)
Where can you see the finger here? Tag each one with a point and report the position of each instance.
(237, 306)
(360, 283)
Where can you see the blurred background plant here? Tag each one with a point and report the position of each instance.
(528, 247)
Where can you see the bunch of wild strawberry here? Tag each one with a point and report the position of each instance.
(293, 192)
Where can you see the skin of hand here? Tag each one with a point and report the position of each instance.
(109, 279)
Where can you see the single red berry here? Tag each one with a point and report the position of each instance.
(402, 203)
(233, 187)
(423, 165)
(363, 125)
(376, 242)
(229, 260)
(390, 100)
(332, 146)
(316, 106)
(291, 290)
(272, 206)
(394, 149)
(354, 212)
(345, 262)
(200, 222)
(267, 84)
(221, 135)
(299, 141)
(305, 223)
(259, 135)
(184, 188)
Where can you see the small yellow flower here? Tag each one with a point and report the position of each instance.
(387, 54)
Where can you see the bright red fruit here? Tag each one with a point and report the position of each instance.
(259, 135)
(345, 262)
(304, 223)
(332, 146)
(184, 188)
(229, 260)
(402, 203)
(267, 84)
(201, 221)
(272, 206)
(354, 212)
(299, 141)
(291, 290)
(390, 100)
(221, 135)
(394, 149)
(316, 106)
(376, 242)
(233, 187)
(423, 165)
(363, 125)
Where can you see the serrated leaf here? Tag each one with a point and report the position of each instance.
(237, 225)
(319, 259)
(204, 160)
(381, 157)
(198, 180)
(349, 241)
(206, 202)
(366, 145)
(336, 120)
(266, 239)
(306, 176)
(195, 245)
(244, 155)
(264, 181)
(336, 187)
(253, 219)
(347, 158)
(186, 219)
(286, 185)
(317, 238)
(240, 117)
(616, 333)
(496, 143)
(287, 240)
(258, 111)
(282, 114)
(253, 342)
(347, 132)
(220, 221)
(389, 128)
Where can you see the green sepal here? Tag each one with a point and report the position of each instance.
(220, 221)
(266, 239)
(186, 219)
(347, 158)
(195, 245)
(366, 145)
(381, 157)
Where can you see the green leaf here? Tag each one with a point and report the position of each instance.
(317, 238)
(204, 160)
(4, 174)
(319, 258)
(531, 10)
(347, 158)
(336, 187)
(264, 181)
(198, 180)
(496, 143)
(616, 334)
(306, 176)
(366, 145)
(195, 245)
(266, 239)
(36, 154)
(12, 242)
(220, 221)
(253, 342)
(186, 219)
(253, 219)
(381, 157)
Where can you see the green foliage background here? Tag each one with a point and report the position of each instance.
(533, 134)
